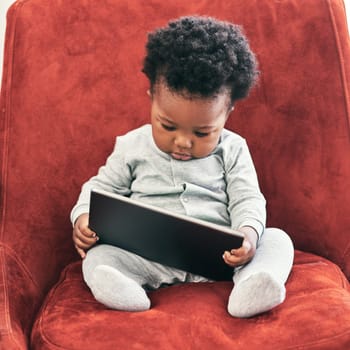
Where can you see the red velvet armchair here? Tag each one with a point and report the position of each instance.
(72, 82)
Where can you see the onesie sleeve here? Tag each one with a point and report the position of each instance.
(114, 176)
(246, 203)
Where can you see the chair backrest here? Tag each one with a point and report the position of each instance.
(72, 81)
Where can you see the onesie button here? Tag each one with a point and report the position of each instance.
(185, 199)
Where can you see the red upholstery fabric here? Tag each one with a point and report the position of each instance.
(193, 316)
(72, 81)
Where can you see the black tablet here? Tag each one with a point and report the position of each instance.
(171, 239)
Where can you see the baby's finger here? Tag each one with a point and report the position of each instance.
(243, 250)
(84, 242)
(87, 239)
(232, 260)
(240, 252)
(87, 232)
(81, 240)
(80, 251)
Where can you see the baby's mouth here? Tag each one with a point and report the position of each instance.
(181, 156)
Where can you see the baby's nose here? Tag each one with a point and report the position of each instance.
(183, 141)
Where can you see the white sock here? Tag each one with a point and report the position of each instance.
(258, 293)
(259, 285)
(113, 289)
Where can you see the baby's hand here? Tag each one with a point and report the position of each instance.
(246, 252)
(83, 237)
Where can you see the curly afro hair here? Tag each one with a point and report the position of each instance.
(201, 56)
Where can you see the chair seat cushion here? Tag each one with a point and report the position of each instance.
(315, 315)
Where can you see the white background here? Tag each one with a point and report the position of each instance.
(4, 4)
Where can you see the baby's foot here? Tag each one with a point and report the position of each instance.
(256, 294)
(113, 289)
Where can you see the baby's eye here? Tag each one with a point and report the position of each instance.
(201, 134)
(168, 127)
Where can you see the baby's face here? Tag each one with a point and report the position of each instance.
(187, 128)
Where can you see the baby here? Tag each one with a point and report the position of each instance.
(187, 162)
